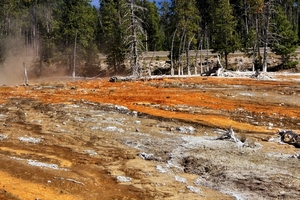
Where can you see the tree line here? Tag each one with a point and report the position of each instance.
(71, 33)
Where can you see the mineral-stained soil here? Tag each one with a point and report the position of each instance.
(156, 139)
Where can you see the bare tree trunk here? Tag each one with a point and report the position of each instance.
(226, 60)
(74, 56)
(219, 61)
(257, 41)
(266, 42)
(246, 17)
(201, 67)
(179, 55)
(25, 74)
(196, 56)
(188, 56)
(41, 66)
(221, 69)
(183, 47)
(135, 65)
(188, 60)
(253, 57)
(146, 45)
(172, 47)
(207, 45)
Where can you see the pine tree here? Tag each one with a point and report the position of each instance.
(113, 33)
(248, 13)
(186, 19)
(75, 21)
(286, 41)
(225, 39)
(154, 36)
(165, 24)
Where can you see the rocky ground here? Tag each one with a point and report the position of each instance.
(156, 139)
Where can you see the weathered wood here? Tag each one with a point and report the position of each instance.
(25, 74)
(229, 135)
(256, 74)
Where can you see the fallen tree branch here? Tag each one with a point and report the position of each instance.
(70, 180)
(229, 135)
(74, 181)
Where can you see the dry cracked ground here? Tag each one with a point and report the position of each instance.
(92, 139)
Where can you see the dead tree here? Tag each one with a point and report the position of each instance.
(135, 34)
(188, 56)
(135, 64)
(74, 56)
(228, 135)
(196, 56)
(25, 74)
(266, 41)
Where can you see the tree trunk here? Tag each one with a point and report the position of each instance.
(201, 67)
(257, 41)
(188, 60)
(25, 74)
(226, 60)
(253, 57)
(74, 56)
(179, 55)
(172, 48)
(219, 61)
(265, 64)
(188, 56)
(246, 17)
(184, 49)
(135, 65)
(196, 57)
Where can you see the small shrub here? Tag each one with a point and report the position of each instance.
(290, 64)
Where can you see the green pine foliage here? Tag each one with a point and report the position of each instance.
(285, 43)
(154, 35)
(47, 29)
(225, 38)
(113, 33)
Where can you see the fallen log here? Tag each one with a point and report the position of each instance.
(121, 79)
(290, 137)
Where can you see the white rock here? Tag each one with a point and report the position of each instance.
(161, 169)
(193, 189)
(180, 179)
(124, 179)
(30, 140)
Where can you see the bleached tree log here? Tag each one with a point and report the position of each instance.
(228, 135)
(25, 74)
(171, 53)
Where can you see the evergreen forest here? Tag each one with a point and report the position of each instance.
(68, 33)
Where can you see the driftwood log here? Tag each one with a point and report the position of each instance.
(121, 79)
(290, 137)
